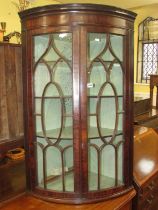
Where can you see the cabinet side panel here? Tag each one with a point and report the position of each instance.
(128, 151)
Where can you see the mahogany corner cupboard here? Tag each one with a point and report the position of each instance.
(78, 101)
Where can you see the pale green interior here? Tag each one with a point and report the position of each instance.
(55, 80)
(105, 75)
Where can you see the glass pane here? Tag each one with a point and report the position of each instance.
(63, 43)
(107, 56)
(40, 46)
(105, 110)
(39, 149)
(107, 115)
(117, 46)
(41, 79)
(53, 111)
(120, 163)
(97, 43)
(108, 167)
(37, 106)
(97, 76)
(63, 76)
(116, 77)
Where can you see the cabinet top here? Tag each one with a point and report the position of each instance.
(56, 8)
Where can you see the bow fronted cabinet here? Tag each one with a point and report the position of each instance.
(78, 101)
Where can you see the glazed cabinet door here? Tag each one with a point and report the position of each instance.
(53, 111)
(79, 99)
(105, 110)
(104, 118)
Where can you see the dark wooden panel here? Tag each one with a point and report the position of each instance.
(11, 106)
(153, 83)
(18, 68)
(4, 129)
(11, 90)
(141, 106)
(12, 179)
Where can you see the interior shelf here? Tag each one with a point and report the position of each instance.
(92, 96)
(106, 96)
(67, 133)
(56, 183)
(52, 97)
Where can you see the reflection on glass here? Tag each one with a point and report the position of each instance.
(105, 110)
(53, 111)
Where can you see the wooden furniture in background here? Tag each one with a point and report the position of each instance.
(78, 94)
(153, 83)
(146, 169)
(141, 106)
(145, 113)
(124, 202)
(11, 102)
(12, 179)
(148, 119)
